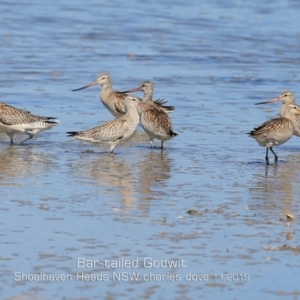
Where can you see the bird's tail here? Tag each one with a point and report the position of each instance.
(172, 133)
(72, 133)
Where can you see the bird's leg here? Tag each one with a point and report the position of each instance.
(11, 138)
(30, 137)
(112, 147)
(276, 157)
(151, 143)
(267, 158)
(162, 145)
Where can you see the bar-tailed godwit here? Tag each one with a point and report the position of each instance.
(156, 122)
(287, 98)
(17, 121)
(276, 132)
(114, 101)
(148, 88)
(115, 131)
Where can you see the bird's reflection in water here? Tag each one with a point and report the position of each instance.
(132, 178)
(154, 173)
(112, 172)
(278, 183)
(19, 161)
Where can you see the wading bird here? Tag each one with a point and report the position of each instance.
(115, 131)
(17, 121)
(114, 101)
(156, 122)
(276, 132)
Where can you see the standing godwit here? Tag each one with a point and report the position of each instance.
(15, 121)
(287, 98)
(112, 100)
(147, 87)
(156, 122)
(115, 131)
(276, 132)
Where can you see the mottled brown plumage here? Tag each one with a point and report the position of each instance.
(14, 120)
(156, 123)
(115, 131)
(276, 131)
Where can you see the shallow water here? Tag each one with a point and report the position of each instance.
(207, 203)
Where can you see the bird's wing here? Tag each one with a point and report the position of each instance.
(10, 115)
(109, 131)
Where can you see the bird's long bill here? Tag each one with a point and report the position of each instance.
(269, 101)
(145, 106)
(86, 86)
(132, 90)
